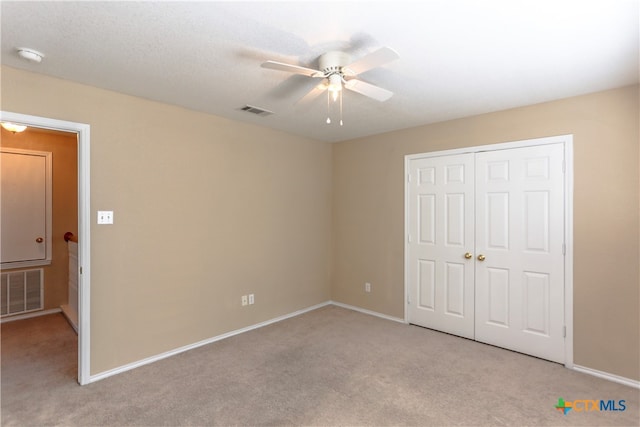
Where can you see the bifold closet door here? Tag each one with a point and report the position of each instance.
(440, 214)
(519, 275)
(485, 247)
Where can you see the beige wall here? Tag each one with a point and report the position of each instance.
(213, 209)
(205, 209)
(368, 213)
(64, 204)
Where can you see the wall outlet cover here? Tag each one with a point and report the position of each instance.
(105, 217)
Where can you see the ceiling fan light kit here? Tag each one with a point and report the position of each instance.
(338, 71)
(335, 84)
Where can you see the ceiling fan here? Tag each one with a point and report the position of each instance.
(337, 70)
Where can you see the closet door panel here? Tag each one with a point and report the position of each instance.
(440, 214)
(519, 274)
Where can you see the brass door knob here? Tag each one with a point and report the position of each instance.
(480, 257)
(468, 255)
(39, 240)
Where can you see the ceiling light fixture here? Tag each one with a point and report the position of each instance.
(334, 91)
(30, 54)
(12, 127)
(335, 85)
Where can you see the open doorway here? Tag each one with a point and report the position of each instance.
(81, 132)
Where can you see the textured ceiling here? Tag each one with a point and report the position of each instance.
(457, 57)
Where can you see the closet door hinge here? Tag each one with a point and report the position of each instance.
(408, 177)
(564, 332)
(408, 238)
(80, 270)
(564, 249)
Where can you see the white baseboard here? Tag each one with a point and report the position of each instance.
(72, 317)
(600, 374)
(100, 376)
(607, 376)
(146, 361)
(157, 357)
(30, 315)
(369, 312)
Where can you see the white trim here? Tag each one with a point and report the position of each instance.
(84, 226)
(568, 258)
(30, 315)
(157, 357)
(369, 312)
(492, 147)
(48, 201)
(405, 237)
(607, 376)
(567, 141)
(582, 369)
(25, 264)
(72, 317)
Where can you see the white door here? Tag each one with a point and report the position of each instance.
(24, 206)
(519, 250)
(440, 209)
(506, 208)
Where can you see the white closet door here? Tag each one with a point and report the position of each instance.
(440, 215)
(519, 232)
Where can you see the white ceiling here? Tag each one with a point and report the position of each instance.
(457, 57)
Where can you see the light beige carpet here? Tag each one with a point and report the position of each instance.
(328, 367)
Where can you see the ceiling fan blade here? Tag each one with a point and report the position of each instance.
(281, 66)
(367, 89)
(313, 93)
(372, 60)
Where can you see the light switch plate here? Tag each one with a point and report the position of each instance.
(105, 217)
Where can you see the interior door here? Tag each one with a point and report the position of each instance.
(23, 206)
(440, 211)
(519, 275)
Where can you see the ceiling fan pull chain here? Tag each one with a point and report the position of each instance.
(341, 107)
(328, 109)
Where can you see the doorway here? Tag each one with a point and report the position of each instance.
(84, 271)
(488, 249)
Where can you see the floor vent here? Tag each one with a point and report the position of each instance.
(21, 292)
(256, 110)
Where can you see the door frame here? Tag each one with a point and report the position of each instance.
(567, 141)
(84, 226)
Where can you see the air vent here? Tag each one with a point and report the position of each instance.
(21, 292)
(256, 110)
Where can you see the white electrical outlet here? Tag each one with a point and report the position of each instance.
(105, 217)
(244, 300)
(367, 287)
(251, 299)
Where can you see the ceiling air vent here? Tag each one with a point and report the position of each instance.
(256, 110)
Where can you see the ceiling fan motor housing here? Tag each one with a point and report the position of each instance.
(332, 62)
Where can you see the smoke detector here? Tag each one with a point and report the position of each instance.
(30, 54)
